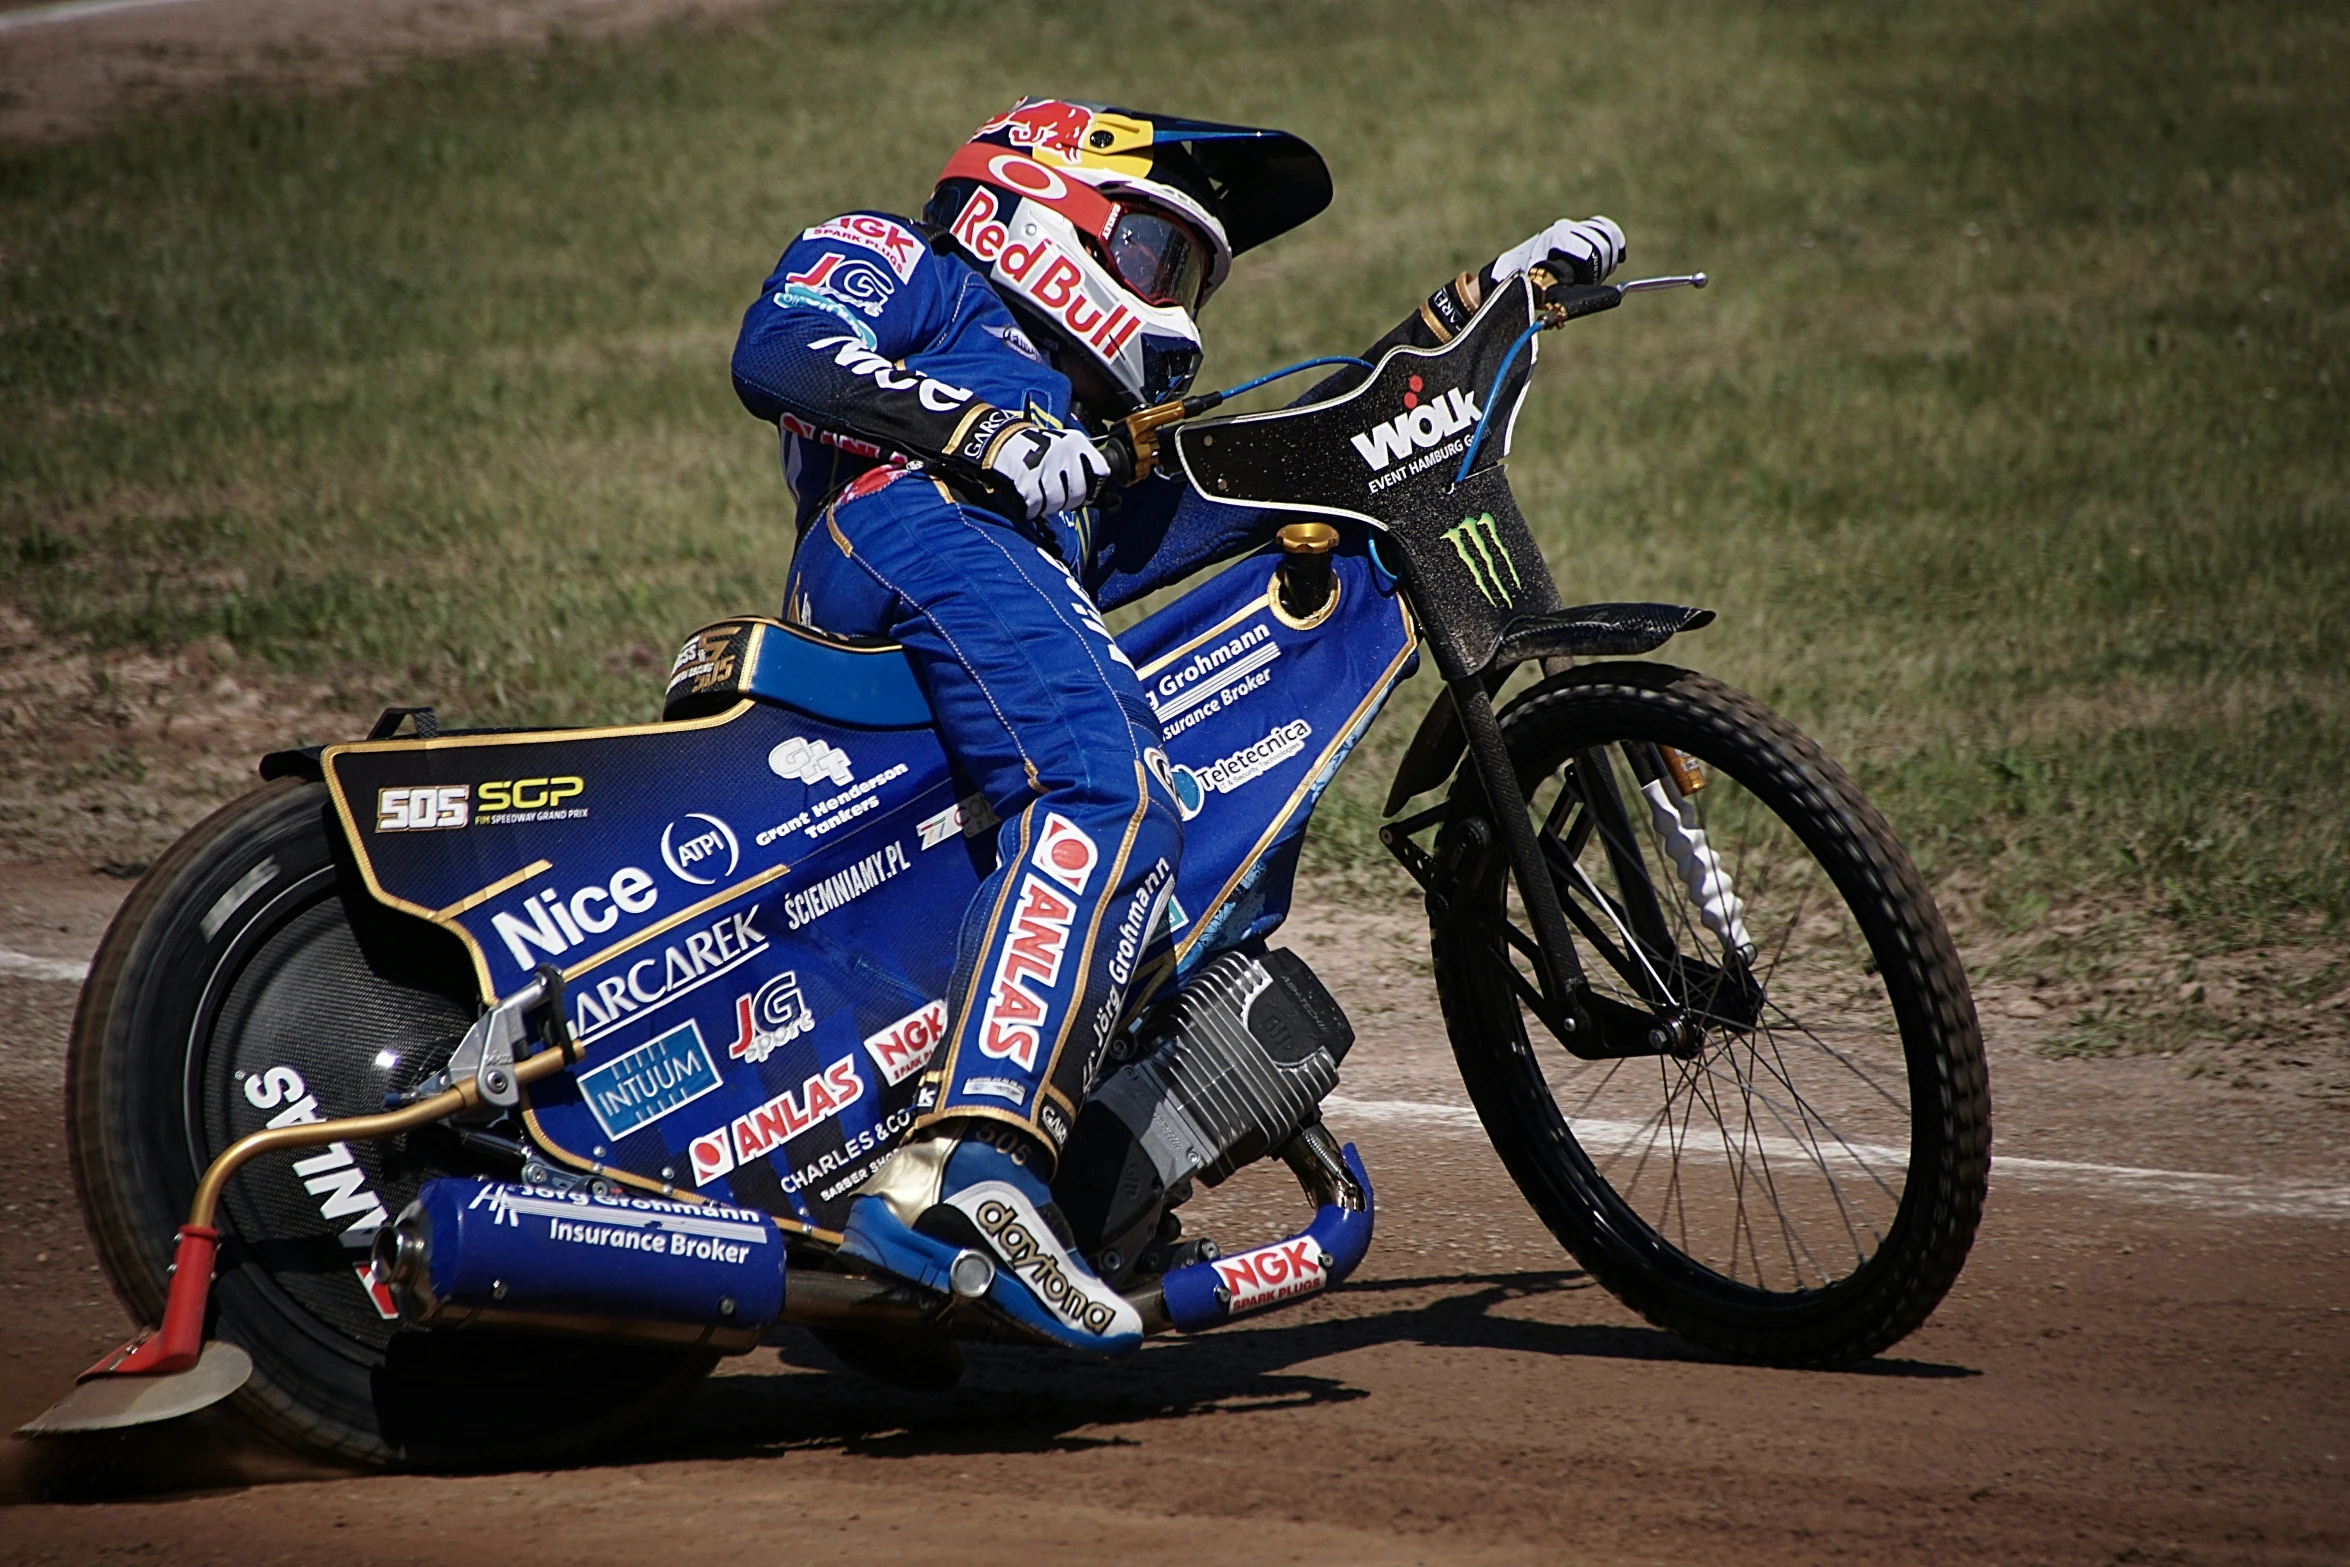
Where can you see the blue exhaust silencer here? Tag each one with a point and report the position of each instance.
(489, 1253)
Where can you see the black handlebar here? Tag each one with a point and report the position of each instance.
(1577, 300)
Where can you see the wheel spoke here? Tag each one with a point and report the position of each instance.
(1771, 1147)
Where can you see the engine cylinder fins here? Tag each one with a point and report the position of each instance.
(1228, 1070)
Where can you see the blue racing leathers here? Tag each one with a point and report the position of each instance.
(871, 351)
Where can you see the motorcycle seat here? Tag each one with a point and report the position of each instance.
(864, 685)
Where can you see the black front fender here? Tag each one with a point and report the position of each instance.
(1437, 747)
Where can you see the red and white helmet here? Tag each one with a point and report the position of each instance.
(1106, 229)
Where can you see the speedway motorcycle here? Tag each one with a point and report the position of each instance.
(459, 1093)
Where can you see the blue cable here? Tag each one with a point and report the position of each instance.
(1303, 364)
(1478, 439)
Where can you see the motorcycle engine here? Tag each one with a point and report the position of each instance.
(1219, 1075)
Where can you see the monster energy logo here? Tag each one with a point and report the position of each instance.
(1481, 532)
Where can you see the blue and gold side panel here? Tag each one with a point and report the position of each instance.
(1257, 715)
(755, 917)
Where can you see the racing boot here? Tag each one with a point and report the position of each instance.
(972, 1186)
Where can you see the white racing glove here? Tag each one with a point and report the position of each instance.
(1586, 250)
(1052, 469)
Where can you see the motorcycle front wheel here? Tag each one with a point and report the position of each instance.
(231, 993)
(1796, 1175)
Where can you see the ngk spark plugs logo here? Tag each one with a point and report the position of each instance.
(900, 246)
(1281, 1271)
(778, 1121)
(906, 1046)
(1434, 427)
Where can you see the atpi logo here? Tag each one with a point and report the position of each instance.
(1422, 424)
(695, 851)
(1478, 543)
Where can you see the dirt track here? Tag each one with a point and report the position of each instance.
(2134, 1368)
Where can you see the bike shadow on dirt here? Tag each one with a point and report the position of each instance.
(1012, 1399)
(1015, 1399)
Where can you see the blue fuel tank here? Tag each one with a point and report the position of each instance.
(488, 1253)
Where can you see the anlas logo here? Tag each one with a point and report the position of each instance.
(818, 1099)
(1424, 422)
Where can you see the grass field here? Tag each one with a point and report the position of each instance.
(2010, 443)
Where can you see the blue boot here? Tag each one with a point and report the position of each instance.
(937, 1199)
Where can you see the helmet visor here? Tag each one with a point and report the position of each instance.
(1159, 258)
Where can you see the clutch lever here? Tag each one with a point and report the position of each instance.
(1566, 301)
(1649, 285)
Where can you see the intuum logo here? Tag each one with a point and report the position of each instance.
(1478, 543)
(1421, 425)
(696, 850)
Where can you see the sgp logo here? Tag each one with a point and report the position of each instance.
(695, 850)
(527, 794)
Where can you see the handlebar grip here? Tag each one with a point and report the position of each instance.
(1117, 449)
(1583, 299)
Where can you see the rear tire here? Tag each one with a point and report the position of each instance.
(1805, 1186)
(228, 990)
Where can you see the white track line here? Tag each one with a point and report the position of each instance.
(74, 11)
(2242, 1194)
(23, 965)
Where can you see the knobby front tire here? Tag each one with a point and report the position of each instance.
(1801, 1184)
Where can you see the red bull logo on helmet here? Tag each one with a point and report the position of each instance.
(1049, 126)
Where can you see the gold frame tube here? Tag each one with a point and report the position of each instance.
(358, 1128)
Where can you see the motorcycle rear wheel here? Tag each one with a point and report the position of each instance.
(1801, 1185)
(228, 990)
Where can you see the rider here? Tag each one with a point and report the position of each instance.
(934, 383)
